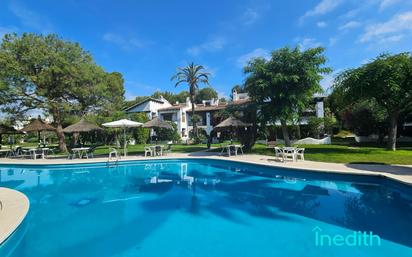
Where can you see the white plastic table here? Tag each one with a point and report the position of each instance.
(80, 151)
(228, 147)
(154, 149)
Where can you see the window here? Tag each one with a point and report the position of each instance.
(183, 117)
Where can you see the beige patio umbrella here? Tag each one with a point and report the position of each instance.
(123, 123)
(231, 123)
(38, 126)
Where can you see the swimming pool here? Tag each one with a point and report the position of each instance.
(200, 207)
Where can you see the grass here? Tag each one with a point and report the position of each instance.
(139, 149)
(340, 153)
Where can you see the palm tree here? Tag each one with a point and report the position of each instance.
(192, 75)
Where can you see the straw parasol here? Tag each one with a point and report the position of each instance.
(157, 123)
(124, 123)
(81, 126)
(38, 126)
(231, 123)
(8, 130)
(4, 129)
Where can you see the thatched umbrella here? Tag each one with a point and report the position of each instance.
(231, 123)
(81, 126)
(8, 130)
(38, 126)
(4, 129)
(157, 123)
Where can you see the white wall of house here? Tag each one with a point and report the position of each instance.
(150, 107)
(320, 111)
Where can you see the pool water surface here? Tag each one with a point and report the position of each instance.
(202, 208)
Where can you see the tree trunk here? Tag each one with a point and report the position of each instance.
(59, 130)
(392, 131)
(195, 132)
(298, 131)
(285, 133)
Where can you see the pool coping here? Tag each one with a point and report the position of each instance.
(399, 173)
(14, 208)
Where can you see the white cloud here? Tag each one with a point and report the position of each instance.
(391, 39)
(306, 43)
(124, 42)
(258, 52)
(323, 7)
(381, 31)
(386, 3)
(350, 25)
(321, 24)
(351, 13)
(30, 18)
(332, 41)
(209, 46)
(250, 16)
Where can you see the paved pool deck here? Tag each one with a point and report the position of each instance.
(13, 209)
(401, 173)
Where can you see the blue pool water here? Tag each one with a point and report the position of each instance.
(203, 208)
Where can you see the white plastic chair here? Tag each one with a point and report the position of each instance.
(300, 153)
(279, 153)
(289, 153)
(147, 150)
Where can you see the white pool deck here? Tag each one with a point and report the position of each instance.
(13, 209)
(15, 205)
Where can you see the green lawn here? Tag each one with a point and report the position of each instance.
(139, 149)
(340, 153)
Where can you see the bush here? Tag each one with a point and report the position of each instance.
(168, 134)
(315, 126)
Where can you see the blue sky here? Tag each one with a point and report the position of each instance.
(147, 40)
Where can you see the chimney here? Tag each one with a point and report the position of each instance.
(235, 95)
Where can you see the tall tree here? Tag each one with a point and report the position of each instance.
(283, 86)
(207, 93)
(57, 77)
(192, 75)
(387, 80)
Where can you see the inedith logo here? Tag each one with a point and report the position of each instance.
(357, 238)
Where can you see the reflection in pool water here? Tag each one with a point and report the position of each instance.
(203, 208)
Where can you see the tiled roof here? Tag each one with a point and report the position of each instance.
(173, 107)
(241, 101)
(203, 108)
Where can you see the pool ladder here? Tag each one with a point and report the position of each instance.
(113, 159)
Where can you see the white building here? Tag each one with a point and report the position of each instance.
(180, 113)
(150, 106)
